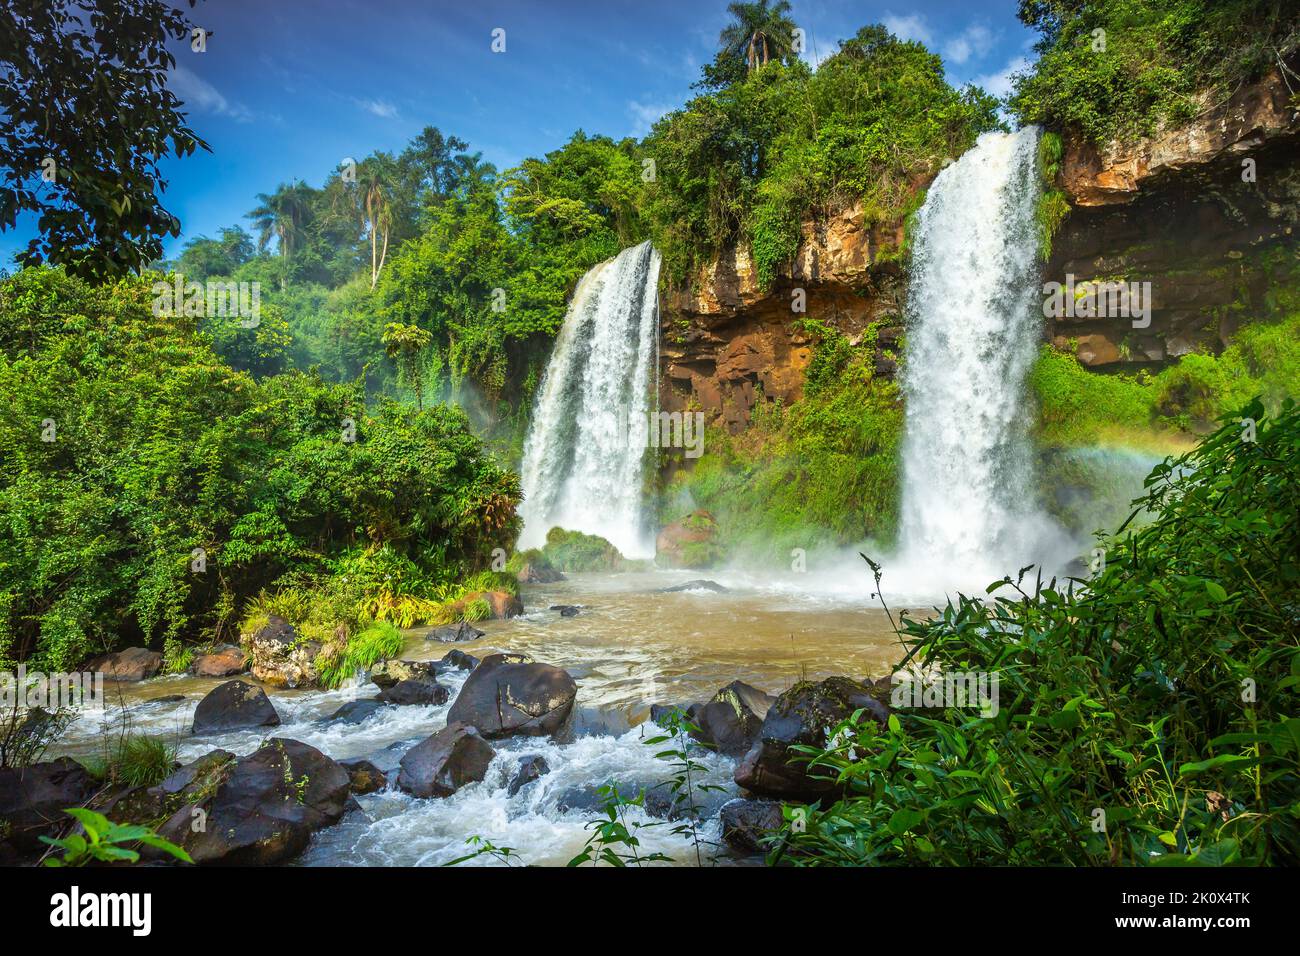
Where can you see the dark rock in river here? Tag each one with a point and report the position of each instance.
(234, 705)
(731, 720)
(130, 665)
(224, 660)
(745, 822)
(530, 768)
(659, 713)
(355, 711)
(443, 763)
(261, 809)
(365, 776)
(389, 673)
(698, 585)
(165, 699)
(502, 698)
(567, 610)
(453, 633)
(416, 692)
(539, 572)
(805, 714)
(32, 801)
(458, 660)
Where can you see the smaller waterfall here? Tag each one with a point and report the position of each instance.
(580, 471)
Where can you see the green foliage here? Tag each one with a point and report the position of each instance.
(107, 842)
(1162, 693)
(1154, 63)
(160, 448)
(750, 161)
(1077, 406)
(575, 551)
(376, 643)
(99, 212)
(823, 471)
(135, 760)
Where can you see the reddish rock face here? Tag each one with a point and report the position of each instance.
(224, 661)
(1254, 115)
(132, 664)
(688, 542)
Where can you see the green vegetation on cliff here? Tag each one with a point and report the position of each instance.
(747, 163)
(1122, 68)
(820, 472)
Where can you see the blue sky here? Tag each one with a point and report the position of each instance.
(289, 88)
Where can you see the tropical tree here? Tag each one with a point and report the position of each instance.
(87, 120)
(282, 214)
(404, 345)
(758, 34)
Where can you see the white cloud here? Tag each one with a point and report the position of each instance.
(381, 108)
(975, 41)
(197, 93)
(910, 27)
(644, 115)
(999, 83)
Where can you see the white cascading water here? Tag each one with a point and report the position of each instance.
(969, 512)
(580, 471)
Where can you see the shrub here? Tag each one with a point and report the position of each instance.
(1146, 716)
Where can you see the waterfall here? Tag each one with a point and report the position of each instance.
(580, 471)
(974, 327)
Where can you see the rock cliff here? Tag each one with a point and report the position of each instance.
(1183, 211)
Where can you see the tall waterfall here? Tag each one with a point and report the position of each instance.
(580, 470)
(974, 327)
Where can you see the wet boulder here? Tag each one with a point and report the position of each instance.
(130, 665)
(536, 569)
(458, 660)
(730, 721)
(661, 713)
(355, 711)
(567, 610)
(746, 822)
(234, 705)
(262, 809)
(416, 692)
(32, 801)
(502, 698)
(224, 660)
(279, 657)
(454, 633)
(365, 777)
(530, 769)
(699, 584)
(805, 714)
(388, 673)
(443, 763)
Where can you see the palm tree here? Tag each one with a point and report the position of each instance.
(282, 214)
(760, 32)
(375, 176)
